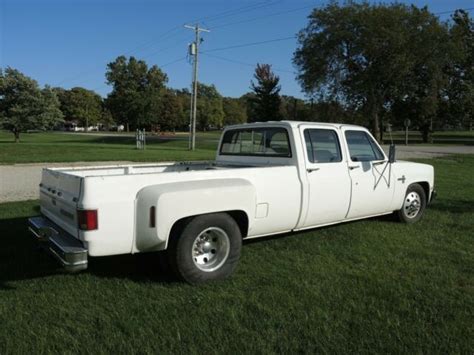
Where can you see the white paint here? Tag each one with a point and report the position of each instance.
(276, 194)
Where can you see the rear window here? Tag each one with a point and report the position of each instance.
(270, 141)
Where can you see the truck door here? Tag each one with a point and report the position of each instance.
(328, 179)
(372, 186)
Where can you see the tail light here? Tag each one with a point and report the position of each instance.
(87, 220)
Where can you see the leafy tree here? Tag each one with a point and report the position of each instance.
(24, 106)
(82, 105)
(171, 111)
(370, 56)
(458, 97)
(234, 111)
(266, 104)
(210, 111)
(135, 97)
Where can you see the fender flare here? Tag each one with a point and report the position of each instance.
(177, 200)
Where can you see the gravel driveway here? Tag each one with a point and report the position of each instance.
(20, 181)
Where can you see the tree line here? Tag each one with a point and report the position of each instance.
(376, 65)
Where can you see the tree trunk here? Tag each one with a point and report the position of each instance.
(376, 125)
(16, 132)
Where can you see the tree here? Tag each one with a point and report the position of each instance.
(210, 112)
(370, 56)
(266, 104)
(137, 89)
(82, 105)
(458, 97)
(234, 111)
(171, 111)
(24, 106)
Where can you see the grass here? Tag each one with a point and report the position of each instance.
(370, 286)
(67, 147)
(445, 137)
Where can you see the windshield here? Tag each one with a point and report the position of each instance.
(271, 141)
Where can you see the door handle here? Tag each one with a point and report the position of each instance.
(354, 167)
(312, 169)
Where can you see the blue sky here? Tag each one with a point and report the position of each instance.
(68, 43)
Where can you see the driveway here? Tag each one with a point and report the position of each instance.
(19, 182)
(429, 151)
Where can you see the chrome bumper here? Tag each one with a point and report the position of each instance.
(69, 251)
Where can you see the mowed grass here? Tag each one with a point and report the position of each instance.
(439, 137)
(70, 147)
(373, 286)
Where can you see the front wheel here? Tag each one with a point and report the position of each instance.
(207, 248)
(414, 204)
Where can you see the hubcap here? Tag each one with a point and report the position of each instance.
(211, 249)
(412, 205)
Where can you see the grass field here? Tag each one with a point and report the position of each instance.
(67, 147)
(447, 137)
(371, 286)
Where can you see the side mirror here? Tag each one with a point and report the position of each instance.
(391, 154)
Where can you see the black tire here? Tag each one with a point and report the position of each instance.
(191, 254)
(414, 204)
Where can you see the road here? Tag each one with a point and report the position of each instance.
(19, 182)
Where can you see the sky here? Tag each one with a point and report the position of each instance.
(68, 43)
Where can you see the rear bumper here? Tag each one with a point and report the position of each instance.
(69, 251)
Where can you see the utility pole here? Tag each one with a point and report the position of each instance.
(194, 51)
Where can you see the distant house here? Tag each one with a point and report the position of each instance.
(72, 126)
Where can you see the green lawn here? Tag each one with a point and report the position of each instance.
(446, 137)
(67, 147)
(370, 286)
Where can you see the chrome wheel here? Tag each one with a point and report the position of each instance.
(412, 204)
(211, 249)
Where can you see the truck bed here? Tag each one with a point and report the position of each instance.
(136, 169)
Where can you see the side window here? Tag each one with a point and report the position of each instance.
(362, 147)
(322, 146)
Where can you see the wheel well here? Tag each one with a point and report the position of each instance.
(426, 187)
(240, 217)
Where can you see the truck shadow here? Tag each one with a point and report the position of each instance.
(22, 259)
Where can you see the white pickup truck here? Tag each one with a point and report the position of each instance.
(267, 178)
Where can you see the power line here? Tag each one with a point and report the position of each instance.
(238, 11)
(263, 17)
(169, 35)
(451, 11)
(245, 64)
(249, 44)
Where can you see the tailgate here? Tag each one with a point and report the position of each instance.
(59, 196)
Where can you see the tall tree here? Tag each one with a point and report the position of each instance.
(234, 111)
(369, 56)
(458, 97)
(266, 104)
(209, 107)
(24, 106)
(136, 92)
(171, 111)
(82, 105)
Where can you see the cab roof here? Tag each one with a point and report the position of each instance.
(292, 124)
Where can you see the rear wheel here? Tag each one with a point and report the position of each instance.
(414, 204)
(207, 248)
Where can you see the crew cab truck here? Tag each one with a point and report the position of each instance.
(267, 178)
